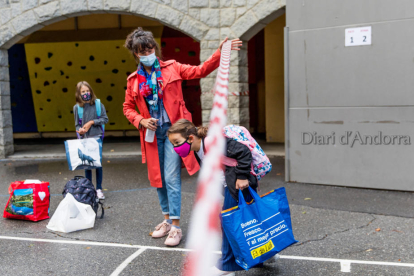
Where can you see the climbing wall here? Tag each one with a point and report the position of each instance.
(56, 68)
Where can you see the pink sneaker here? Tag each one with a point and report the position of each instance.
(174, 237)
(161, 230)
(100, 194)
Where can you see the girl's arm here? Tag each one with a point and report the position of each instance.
(103, 120)
(129, 109)
(243, 155)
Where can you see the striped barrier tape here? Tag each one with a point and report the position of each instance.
(204, 232)
(243, 93)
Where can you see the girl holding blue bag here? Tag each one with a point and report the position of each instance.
(90, 124)
(185, 138)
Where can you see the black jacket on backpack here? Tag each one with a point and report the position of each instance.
(243, 155)
(83, 191)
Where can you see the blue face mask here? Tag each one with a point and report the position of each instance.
(148, 60)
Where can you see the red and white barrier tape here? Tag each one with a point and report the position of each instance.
(243, 93)
(204, 232)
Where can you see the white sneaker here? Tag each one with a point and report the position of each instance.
(217, 272)
(100, 194)
(273, 259)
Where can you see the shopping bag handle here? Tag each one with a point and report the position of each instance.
(242, 201)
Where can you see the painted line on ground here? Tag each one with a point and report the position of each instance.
(99, 244)
(302, 258)
(125, 263)
(344, 260)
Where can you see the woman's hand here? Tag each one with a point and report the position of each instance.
(150, 123)
(242, 184)
(235, 44)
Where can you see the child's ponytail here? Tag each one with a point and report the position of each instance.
(202, 131)
(186, 128)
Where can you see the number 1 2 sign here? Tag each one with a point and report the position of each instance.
(358, 36)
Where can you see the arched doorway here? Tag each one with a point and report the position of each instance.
(46, 65)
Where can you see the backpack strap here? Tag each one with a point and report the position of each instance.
(98, 107)
(80, 116)
(98, 113)
(102, 209)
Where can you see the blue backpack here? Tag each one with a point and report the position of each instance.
(98, 112)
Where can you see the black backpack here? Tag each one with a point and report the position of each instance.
(84, 192)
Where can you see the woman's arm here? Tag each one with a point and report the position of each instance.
(129, 109)
(188, 72)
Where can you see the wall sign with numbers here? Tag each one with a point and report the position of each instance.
(358, 36)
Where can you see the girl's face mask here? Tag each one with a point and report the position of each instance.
(86, 97)
(183, 149)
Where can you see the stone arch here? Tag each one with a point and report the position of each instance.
(257, 17)
(21, 19)
(35, 17)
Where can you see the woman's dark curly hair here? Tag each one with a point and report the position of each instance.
(140, 40)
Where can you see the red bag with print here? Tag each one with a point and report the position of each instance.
(29, 200)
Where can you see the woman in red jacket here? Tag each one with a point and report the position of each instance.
(155, 89)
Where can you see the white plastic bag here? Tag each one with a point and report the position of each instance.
(72, 215)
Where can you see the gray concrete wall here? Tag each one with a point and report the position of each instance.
(333, 88)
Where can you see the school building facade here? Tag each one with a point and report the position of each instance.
(295, 78)
(48, 46)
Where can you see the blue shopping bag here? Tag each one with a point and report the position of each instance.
(259, 230)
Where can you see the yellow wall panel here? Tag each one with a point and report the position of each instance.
(67, 24)
(98, 21)
(274, 78)
(56, 68)
(136, 21)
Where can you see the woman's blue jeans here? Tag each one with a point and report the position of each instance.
(170, 165)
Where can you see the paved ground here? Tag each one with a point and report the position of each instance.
(329, 222)
(114, 147)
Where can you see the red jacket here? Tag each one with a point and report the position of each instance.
(173, 73)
